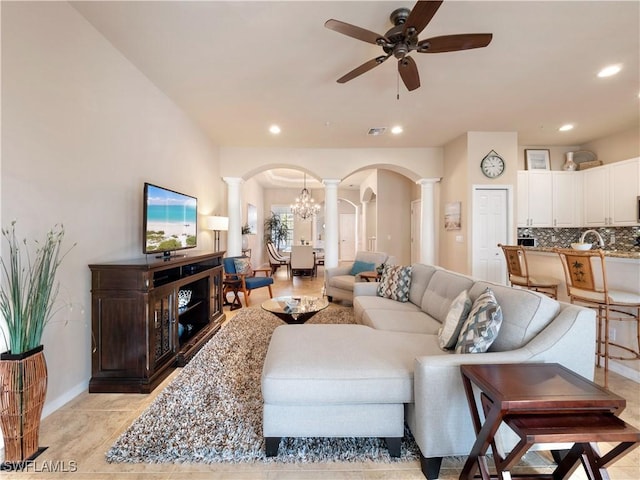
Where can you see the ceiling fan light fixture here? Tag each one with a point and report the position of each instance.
(396, 130)
(274, 129)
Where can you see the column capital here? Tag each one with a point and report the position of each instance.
(331, 182)
(427, 181)
(233, 180)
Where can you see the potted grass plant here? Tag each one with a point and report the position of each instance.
(27, 298)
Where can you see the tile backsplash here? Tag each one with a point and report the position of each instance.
(626, 239)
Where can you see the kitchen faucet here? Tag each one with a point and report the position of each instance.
(595, 232)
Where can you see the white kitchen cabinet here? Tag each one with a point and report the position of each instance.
(610, 194)
(567, 199)
(534, 197)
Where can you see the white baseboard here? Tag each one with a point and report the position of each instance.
(625, 371)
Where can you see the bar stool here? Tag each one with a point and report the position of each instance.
(519, 272)
(586, 277)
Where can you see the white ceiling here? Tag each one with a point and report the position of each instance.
(237, 67)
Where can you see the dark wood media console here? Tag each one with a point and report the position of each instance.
(139, 329)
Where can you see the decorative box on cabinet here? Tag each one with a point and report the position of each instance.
(138, 328)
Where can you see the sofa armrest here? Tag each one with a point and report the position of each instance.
(440, 400)
(365, 289)
(336, 271)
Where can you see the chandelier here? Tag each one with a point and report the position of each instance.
(305, 206)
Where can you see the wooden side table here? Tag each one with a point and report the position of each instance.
(544, 403)
(232, 286)
(369, 276)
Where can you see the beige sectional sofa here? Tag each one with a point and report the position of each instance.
(372, 378)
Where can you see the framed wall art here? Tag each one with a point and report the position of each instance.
(537, 159)
(452, 216)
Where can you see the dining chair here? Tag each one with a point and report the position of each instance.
(303, 261)
(518, 269)
(277, 260)
(586, 278)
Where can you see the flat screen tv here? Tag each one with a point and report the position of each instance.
(170, 220)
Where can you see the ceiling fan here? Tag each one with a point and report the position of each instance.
(402, 39)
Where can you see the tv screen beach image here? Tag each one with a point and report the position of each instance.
(171, 220)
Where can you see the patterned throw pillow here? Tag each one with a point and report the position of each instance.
(458, 313)
(482, 326)
(243, 265)
(395, 283)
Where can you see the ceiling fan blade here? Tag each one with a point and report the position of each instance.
(355, 32)
(409, 73)
(420, 16)
(452, 43)
(365, 67)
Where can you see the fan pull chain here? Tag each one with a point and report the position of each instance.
(397, 85)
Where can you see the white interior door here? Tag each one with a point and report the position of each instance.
(490, 227)
(347, 236)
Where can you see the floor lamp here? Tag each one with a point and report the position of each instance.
(217, 224)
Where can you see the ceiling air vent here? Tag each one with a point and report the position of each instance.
(376, 130)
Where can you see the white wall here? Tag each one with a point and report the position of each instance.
(82, 129)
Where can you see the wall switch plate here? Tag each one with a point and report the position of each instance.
(612, 239)
(460, 238)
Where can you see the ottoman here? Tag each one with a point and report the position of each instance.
(338, 381)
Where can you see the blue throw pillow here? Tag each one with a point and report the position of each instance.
(359, 267)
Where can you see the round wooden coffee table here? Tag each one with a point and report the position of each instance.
(295, 309)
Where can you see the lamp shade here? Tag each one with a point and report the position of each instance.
(218, 223)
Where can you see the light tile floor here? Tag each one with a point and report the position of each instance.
(79, 434)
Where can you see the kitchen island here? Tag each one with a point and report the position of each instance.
(623, 273)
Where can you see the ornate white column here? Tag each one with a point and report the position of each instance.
(234, 204)
(365, 239)
(428, 220)
(331, 247)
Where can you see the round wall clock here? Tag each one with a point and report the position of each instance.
(492, 165)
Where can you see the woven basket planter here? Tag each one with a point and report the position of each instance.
(23, 387)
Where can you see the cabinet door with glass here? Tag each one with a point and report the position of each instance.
(162, 326)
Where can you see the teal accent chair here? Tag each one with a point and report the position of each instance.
(248, 282)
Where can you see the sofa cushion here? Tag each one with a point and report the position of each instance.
(395, 283)
(341, 364)
(482, 326)
(405, 321)
(458, 313)
(525, 314)
(359, 267)
(364, 303)
(420, 276)
(443, 287)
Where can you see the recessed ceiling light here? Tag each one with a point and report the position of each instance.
(396, 130)
(275, 129)
(566, 128)
(609, 71)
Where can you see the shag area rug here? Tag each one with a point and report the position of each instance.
(212, 411)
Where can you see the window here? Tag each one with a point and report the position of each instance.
(284, 211)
